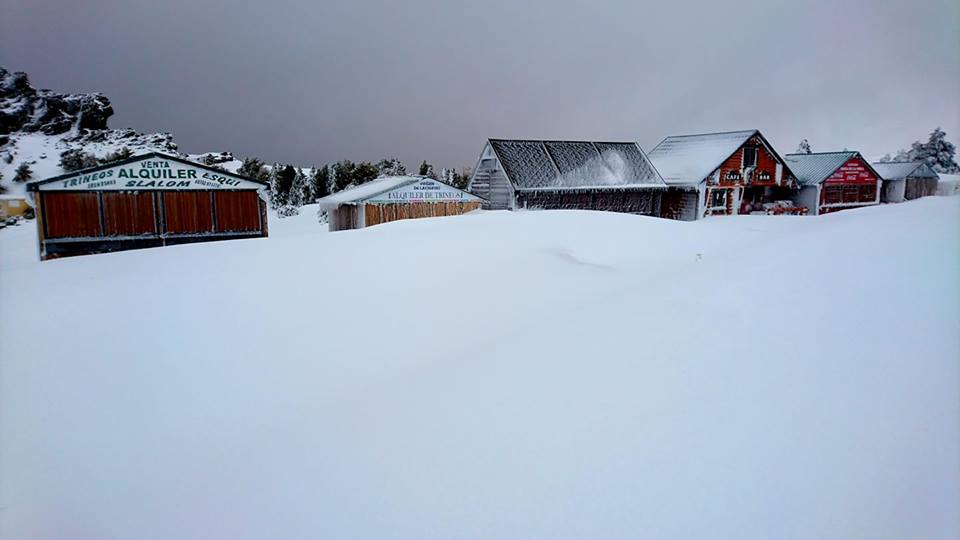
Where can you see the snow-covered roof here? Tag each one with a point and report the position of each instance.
(430, 189)
(538, 164)
(812, 169)
(365, 191)
(688, 159)
(899, 170)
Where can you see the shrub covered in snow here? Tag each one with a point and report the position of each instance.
(23, 173)
(288, 210)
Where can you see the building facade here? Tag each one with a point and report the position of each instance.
(906, 180)
(149, 200)
(833, 181)
(394, 198)
(580, 175)
(729, 173)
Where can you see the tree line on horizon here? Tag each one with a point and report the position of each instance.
(291, 187)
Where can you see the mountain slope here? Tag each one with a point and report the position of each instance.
(38, 126)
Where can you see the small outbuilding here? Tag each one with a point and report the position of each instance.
(393, 198)
(728, 173)
(579, 175)
(148, 200)
(833, 181)
(13, 206)
(906, 180)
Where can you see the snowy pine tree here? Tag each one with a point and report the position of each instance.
(281, 180)
(804, 147)
(273, 181)
(391, 167)
(298, 185)
(937, 152)
(426, 169)
(254, 168)
(321, 182)
(448, 176)
(463, 179)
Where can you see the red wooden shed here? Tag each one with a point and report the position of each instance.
(832, 181)
(148, 200)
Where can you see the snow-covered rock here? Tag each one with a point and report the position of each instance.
(38, 127)
(24, 108)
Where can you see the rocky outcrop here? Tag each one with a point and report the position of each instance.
(26, 109)
(52, 132)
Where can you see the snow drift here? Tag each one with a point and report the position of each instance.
(529, 374)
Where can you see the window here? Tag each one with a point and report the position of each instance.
(749, 156)
(718, 198)
(832, 194)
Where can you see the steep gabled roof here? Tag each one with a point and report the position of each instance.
(33, 186)
(899, 170)
(688, 159)
(538, 164)
(813, 169)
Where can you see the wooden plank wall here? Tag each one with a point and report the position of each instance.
(376, 214)
(491, 183)
(766, 162)
(188, 211)
(72, 215)
(919, 187)
(679, 204)
(129, 214)
(237, 211)
(343, 218)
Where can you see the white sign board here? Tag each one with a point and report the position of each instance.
(154, 173)
(426, 190)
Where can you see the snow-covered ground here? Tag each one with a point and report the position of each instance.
(531, 374)
(948, 184)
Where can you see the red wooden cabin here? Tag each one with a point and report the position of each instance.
(832, 181)
(729, 173)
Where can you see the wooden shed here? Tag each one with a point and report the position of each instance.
(13, 206)
(906, 180)
(579, 175)
(148, 200)
(728, 173)
(833, 181)
(393, 198)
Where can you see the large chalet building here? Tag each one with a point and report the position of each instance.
(729, 173)
(832, 181)
(577, 175)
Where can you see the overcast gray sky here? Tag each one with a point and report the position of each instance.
(312, 82)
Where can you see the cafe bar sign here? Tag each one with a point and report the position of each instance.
(155, 172)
